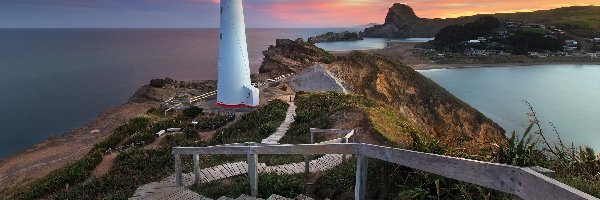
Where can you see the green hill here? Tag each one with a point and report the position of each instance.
(401, 21)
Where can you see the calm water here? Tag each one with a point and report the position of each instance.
(54, 80)
(366, 44)
(566, 95)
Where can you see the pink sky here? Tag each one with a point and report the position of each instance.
(259, 13)
(358, 12)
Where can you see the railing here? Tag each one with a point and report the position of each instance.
(203, 96)
(522, 182)
(343, 137)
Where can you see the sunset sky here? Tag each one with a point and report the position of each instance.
(259, 13)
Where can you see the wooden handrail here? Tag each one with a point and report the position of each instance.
(522, 182)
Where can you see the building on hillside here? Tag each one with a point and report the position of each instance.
(571, 43)
(533, 54)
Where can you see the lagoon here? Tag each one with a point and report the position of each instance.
(566, 95)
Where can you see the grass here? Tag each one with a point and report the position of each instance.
(137, 166)
(132, 168)
(268, 184)
(77, 172)
(254, 126)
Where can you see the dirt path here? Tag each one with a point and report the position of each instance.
(57, 152)
(206, 136)
(107, 162)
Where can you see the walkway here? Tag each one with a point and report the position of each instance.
(166, 188)
(283, 128)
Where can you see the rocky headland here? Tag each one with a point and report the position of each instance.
(335, 37)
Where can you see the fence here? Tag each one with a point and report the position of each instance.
(522, 182)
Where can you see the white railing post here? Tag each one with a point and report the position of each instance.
(196, 160)
(178, 173)
(252, 170)
(360, 188)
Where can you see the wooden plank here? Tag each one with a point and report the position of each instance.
(178, 172)
(360, 189)
(490, 175)
(533, 185)
(334, 131)
(273, 149)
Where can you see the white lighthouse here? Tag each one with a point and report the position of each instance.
(234, 88)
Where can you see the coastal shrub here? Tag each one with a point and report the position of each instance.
(132, 168)
(192, 112)
(58, 180)
(80, 170)
(337, 181)
(284, 185)
(157, 83)
(209, 123)
(577, 167)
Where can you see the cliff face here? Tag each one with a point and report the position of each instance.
(289, 56)
(402, 22)
(416, 98)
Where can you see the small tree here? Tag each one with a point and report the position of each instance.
(192, 112)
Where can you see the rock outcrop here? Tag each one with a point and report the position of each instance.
(402, 22)
(334, 37)
(288, 56)
(317, 79)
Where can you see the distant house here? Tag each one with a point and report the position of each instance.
(537, 26)
(482, 39)
(571, 42)
(476, 52)
(533, 54)
(474, 41)
(593, 55)
(596, 40)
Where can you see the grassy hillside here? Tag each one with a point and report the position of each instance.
(583, 21)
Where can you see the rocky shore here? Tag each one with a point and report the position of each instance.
(56, 152)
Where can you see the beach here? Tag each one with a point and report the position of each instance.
(405, 51)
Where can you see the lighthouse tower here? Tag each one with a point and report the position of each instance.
(234, 88)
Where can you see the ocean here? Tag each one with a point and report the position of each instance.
(55, 80)
(567, 96)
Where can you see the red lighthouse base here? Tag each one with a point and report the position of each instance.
(221, 105)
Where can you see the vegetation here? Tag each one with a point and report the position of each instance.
(79, 171)
(131, 169)
(269, 183)
(454, 35)
(192, 112)
(526, 41)
(580, 21)
(332, 37)
(254, 126)
(577, 167)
